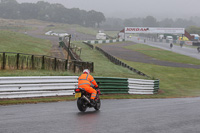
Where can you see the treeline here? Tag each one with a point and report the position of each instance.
(11, 9)
(191, 24)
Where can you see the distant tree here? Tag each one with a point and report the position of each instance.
(137, 22)
(150, 21)
(9, 1)
(166, 23)
(113, 24)
(28, 11)
(9, 9)
(90, 19)
(43, 13)
(183, 23)
(128, 23)
(196, 20)
(55, 13)
(74, 16)
(133, 22)
(99, 18)
(94, 18)
(193, 30)
(49, 12)
(83, 17)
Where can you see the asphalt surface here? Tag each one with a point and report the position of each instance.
(117, 50)
(115, 116)
(192, 52)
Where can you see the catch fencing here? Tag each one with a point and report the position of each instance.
(42, 86)
(11, 60)
(20, 61)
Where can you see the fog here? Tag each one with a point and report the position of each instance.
(160, 9)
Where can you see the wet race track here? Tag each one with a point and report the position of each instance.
(116, 116)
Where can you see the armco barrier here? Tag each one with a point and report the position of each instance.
(112, 85)
(113, 59)
(140, 86)
(118, 62)
(42, 86)
(19, 87)
(104, 41)
(90, 45)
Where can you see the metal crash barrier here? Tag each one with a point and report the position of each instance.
(42, 86)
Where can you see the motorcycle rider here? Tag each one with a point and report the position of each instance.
(85, 81)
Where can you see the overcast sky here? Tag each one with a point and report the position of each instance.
(135, 8)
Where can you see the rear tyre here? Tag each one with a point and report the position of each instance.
(80, 104)
(98, 105)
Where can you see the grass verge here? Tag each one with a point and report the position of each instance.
(35, 100)
(21, 43)
(174, 81)
(7, 73)
(103, 67)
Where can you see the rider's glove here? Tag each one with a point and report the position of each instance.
(96, 87)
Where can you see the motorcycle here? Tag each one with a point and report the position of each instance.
(83, 99)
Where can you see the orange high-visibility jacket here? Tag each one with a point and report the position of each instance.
(86, 80)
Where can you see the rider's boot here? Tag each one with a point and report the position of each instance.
(92, 102)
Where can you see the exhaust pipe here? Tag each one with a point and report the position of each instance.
(86, 99)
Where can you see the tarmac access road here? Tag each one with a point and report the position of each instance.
(120, 52)
(192, 52)
(178, 115)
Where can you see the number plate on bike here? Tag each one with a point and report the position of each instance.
(77, 95)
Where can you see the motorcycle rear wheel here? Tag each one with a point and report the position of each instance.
(80, 104)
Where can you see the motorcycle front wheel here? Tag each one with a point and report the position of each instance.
(80, 104)
(98, 105)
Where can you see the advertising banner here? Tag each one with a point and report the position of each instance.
(154, 30)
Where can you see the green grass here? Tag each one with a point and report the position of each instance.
(14, 25)
(35, 100)
(102, 66)
(85, 30)
(5, 73)
(14, 28)
(174, 81)
(21, 43)
(164, 55)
